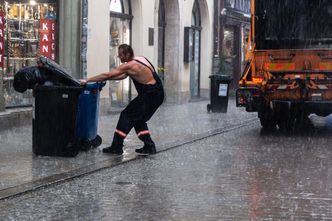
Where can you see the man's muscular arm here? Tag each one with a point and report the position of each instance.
(118, 73)
(120, 77)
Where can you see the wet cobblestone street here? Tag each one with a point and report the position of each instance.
(237, 175)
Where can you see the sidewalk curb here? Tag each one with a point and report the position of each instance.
(18, 117)
(15, 117)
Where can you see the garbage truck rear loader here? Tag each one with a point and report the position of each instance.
(289, 62)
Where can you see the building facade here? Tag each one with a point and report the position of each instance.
(176, 36)
(82, 36)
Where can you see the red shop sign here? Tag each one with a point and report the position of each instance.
(2, 38)
(47, 38)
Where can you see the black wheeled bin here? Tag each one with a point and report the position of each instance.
(54, 120)
(55, 108)
(219, 89)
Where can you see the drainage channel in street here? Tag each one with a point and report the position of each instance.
(18, 190)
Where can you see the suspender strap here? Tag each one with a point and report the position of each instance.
(146, 65)
(150, 64)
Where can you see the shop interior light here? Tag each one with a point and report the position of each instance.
(33, 2)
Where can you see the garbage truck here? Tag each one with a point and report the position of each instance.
(288, 72)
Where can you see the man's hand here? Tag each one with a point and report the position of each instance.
(83, 81)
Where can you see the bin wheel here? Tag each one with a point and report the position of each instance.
(97, 141)
(208, 107)
(85, 144)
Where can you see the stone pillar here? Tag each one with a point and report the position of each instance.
(172, 58)
(2, 99)
(70, 36)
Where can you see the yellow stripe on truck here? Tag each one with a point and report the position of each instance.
(279, 66)
(325, 65)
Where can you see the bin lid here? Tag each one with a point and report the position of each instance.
(58, 70)
(221, 77)
(93, 86)
(57, 88)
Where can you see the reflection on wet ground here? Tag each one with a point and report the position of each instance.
(238, 175)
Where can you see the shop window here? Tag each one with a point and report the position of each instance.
(227, 59)
(194, 42)
(30, 31)
(120, 22)
(119, 34)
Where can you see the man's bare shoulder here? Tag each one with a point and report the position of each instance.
(131, 67)
(141, 59)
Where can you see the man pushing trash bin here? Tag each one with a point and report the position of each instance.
(140, 109)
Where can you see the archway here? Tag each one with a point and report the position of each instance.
(206, 37)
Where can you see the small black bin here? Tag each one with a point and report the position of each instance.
(54, 120)
(219, 93)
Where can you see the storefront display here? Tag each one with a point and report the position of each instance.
(2, 36)
(30, 31)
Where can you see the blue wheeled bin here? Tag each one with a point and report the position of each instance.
(87, 119)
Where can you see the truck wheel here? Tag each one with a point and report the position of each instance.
(302, 123)
(208, 107)
(267, 123)
(267, 119)
(285, 125)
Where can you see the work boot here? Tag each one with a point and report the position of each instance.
(113, 150)
(116, 147)
(146, 150)
(149, 146)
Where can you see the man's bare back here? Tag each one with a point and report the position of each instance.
(130, 67)
(139, 72)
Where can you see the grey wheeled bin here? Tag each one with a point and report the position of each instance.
(219, 91)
